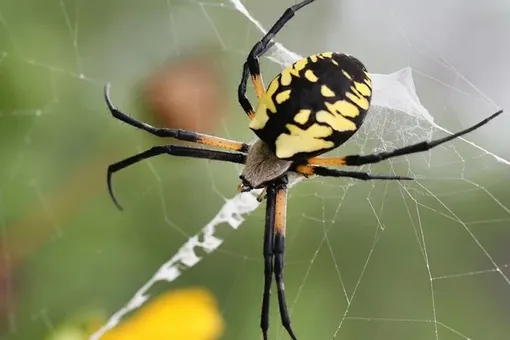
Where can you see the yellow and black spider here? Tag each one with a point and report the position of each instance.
(311, 107)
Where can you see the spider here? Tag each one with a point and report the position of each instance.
(311, 107)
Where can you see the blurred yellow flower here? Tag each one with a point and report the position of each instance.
(187, 314)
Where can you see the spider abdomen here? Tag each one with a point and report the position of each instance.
(313, 106)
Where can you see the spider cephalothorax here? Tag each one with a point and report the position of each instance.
(262, 166)
(311, 107)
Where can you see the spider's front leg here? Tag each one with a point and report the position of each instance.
(184, 135)
(252, 66)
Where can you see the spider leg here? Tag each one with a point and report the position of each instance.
(308, 170)
(241, 91)
(179, 134)
(274, 237)
(406, 150)
(268, 258)
(279, 249)
(173, 150)
(252, 66)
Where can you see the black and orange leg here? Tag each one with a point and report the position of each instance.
(268, 257)
(357, 160)
(274, 248)
(179, 134)
(279, 250)
(252, 66)
(309, 171)
(258, 85)
(173, 150)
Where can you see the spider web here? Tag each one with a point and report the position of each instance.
(415, 260)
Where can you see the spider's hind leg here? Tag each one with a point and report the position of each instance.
(280, 225)
(274, 239)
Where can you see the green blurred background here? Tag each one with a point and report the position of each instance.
(423, 260)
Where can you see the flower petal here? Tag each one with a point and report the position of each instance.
(187, 314)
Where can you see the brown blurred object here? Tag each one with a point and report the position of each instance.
(188, 93)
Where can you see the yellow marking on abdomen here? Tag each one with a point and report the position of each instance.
(314, 131)
(326, 91)
(327, 54)
(300, 64)
(361, 101)
(368, 80)
(293, 70)
(301, 140)
(344, 108)
(260, 118)
(283, 96)
(337, 122)
(286, 77)
(363, 89)
(314, 58)
(347, 75)
(267, 98)
(311, 76)
(302, 116)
